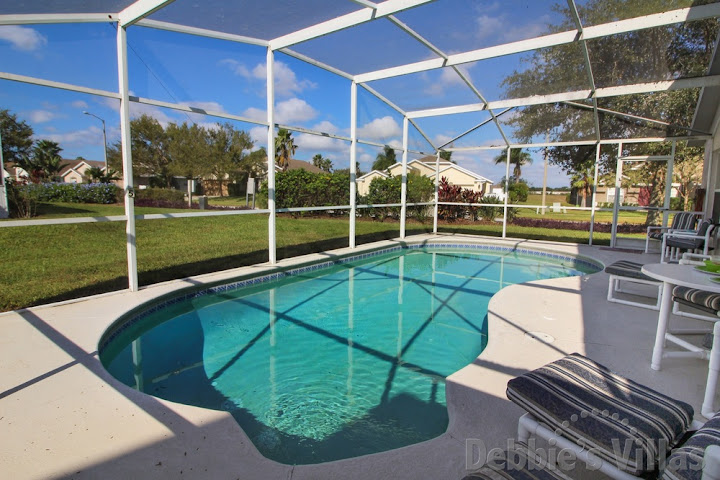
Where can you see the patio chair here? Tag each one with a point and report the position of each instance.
(623, 428)
(696, 459)
(625, 271)
(676, 243)
(683, 221)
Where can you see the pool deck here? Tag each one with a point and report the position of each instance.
(63, 416)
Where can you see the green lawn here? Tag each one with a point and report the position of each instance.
(44, 264)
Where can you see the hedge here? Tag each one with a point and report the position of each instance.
(72, 192)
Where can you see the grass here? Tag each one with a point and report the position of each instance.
(45, 264)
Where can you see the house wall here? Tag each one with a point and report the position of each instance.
(73, 177)
(363, 186)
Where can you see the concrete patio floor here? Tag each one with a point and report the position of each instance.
(63, 416)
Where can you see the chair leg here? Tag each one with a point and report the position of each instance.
(708, 409)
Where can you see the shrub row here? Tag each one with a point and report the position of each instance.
(300, 188)
(569, 225)
(72, 192)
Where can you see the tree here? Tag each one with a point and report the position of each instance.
(44, 162)
(518, 158)
(189, 152)
(324, 164)
(16, 137)
(148, 147)
(284, 148)
(661, 53)
(255, 163)
(227, 152)
(584, 181)
(384, 159)
(445, 155)
(97, 174)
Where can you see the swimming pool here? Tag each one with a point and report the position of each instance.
(327, 361)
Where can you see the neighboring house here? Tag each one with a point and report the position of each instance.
(455, 174)
(13, 172)
(73, 171)
(636, 194)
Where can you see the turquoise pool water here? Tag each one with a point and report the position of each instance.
(332, 363)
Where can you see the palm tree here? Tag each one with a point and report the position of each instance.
(518, 158)
(44, 161)
(384, 159)
(97, 174)
(324, 164)
(583, 180)
(284, 148)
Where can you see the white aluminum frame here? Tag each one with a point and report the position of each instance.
(136, 13)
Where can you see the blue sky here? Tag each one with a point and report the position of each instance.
(230, 77)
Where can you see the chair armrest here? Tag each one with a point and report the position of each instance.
(689, 258)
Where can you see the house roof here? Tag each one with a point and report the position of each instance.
(374, 172)
(73, 165)
(445, 165)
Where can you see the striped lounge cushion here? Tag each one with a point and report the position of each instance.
(705, 301)
(625, 268)
(685, 463)
(624, 423)
(681, 221)
(690, 243)
(517, 463)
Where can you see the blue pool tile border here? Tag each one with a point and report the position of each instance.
(133, 319)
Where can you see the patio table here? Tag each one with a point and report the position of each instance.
(686, 276)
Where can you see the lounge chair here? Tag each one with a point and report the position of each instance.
(630, 272)
(623, 427)
(683, 221)
(676, 243)
(696, 459)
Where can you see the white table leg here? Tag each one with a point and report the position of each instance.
(714, 369)
(663, 318)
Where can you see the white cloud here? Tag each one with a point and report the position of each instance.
(259, 136)
(291, 111)
(22, 38)
(87, 136)
(294, 111)
(79, 104)
(505, 30)
(326, 127)
(139, 109)
(255, 114)
(319, 144)
(41, 116)
(286, 81)
(380, 129)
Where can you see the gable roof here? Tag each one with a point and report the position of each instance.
(373, 172)
(73, 165)
(445, 165)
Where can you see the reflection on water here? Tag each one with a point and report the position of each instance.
(332, 364)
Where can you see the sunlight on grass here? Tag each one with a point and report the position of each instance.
(45, 264)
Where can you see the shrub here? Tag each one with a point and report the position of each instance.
(22, 202)
(159, 194)
(73, 192)
(300, 188)
(518, 192)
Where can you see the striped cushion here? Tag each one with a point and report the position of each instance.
(681, 221)
(685, 463)
(625, 268)
(690, 243)
(684, 221)
(517, 463)
(623, 422)
(705, 301)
